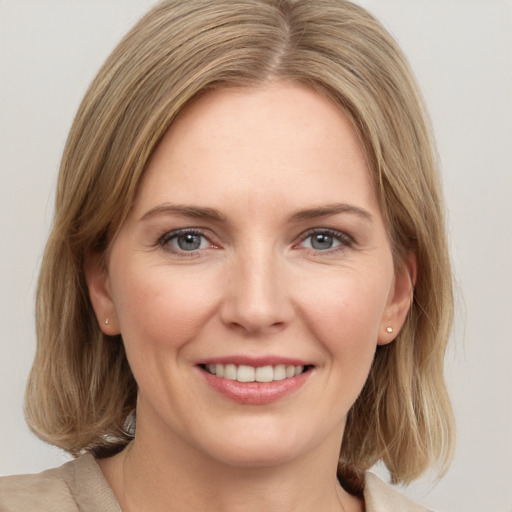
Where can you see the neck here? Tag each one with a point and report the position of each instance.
(153, 474)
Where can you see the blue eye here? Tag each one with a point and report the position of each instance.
(189, 242)
(325, 240)
(184, 241)
(322, 241)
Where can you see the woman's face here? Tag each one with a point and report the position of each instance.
(254, 278)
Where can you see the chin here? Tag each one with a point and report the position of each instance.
(262, 448)
(243, 456)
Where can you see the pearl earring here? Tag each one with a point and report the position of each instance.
(389, 329)
(107, 321)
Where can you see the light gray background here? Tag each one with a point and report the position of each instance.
(462, 53)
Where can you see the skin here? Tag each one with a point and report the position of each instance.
(256, 286)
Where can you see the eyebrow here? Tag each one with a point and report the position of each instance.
(329, 209)
(197, 212)
(192, 212)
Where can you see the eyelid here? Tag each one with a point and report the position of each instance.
(344, 238)
(163, 241)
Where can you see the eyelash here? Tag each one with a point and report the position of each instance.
(345, 240)
(164, 241)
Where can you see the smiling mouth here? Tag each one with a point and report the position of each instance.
(245, 373)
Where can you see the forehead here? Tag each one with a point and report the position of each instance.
(279, 142)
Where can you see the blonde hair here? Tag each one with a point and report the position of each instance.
(81, 388)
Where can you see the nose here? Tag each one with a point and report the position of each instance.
(256, 299)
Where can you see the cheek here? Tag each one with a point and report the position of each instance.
(345, 315)
(159, 314)
(159, 308)
(347, 305)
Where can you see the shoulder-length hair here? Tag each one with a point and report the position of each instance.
(81, 388)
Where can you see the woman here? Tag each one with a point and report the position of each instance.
(246, 295)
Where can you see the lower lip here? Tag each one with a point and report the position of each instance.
(255, 393)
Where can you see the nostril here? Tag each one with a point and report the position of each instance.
(255, 327)
(256, 299)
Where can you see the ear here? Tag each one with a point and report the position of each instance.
(96, 277)
(399, 300)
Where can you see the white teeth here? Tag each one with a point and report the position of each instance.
(264, 374)
(280, 372)
(230, 372)
(245, 373)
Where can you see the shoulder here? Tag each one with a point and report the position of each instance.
(76, 485)
(382, 497)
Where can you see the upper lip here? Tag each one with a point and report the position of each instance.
(270, 360)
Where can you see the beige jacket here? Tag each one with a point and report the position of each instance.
(79, 486)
